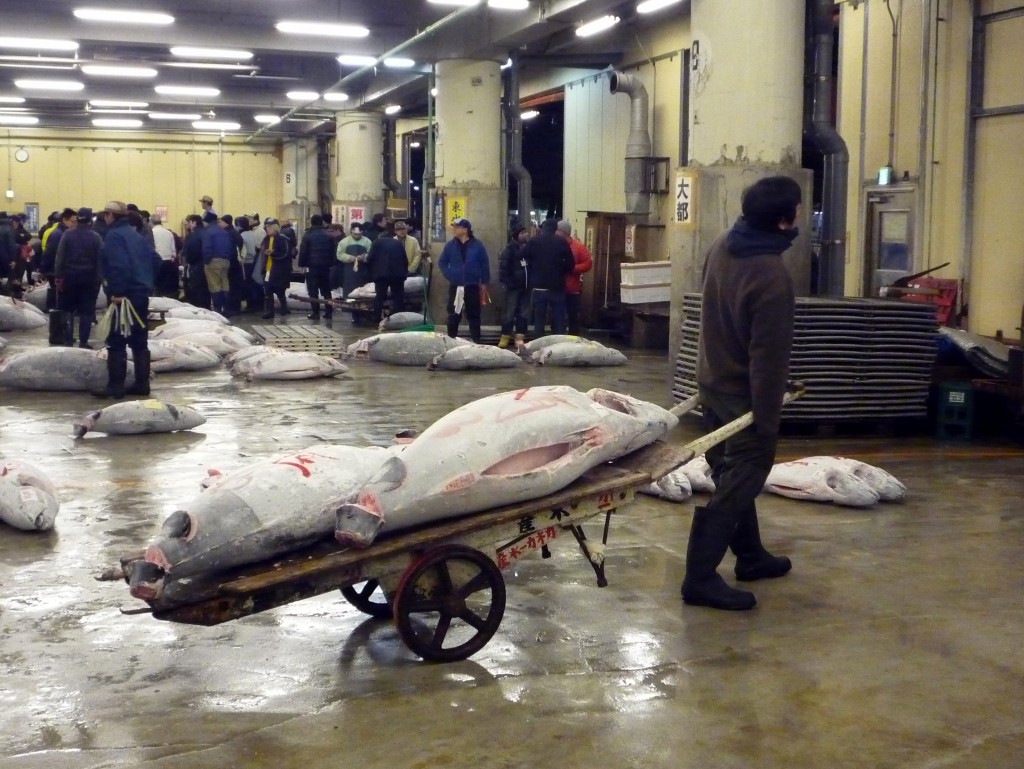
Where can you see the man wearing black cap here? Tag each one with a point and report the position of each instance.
(8, 250)
(65, 222)
(548, 259)
(467, 268)
(512, 274)
(316, 257)
(127, 264)
(77, 276)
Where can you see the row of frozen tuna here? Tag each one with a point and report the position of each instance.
(444, 353)
(840, 480)
(18, 315)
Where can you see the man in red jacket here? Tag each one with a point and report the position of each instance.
(574, 279)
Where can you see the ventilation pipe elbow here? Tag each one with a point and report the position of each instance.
(638, 144)
(390, 162)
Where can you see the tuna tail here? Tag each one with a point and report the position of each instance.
(88, 422)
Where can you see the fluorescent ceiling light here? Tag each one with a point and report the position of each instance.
(186, 90)
(320, 29)
(208, 65)
(530, 114)
(216, 125)
(433, 91)
(49, 85)
(117, 16)
(356, 60)
(104, 70)
(303, 95)
(115, 103)
(392, 109)
(175, 116)
(115, 122)
(509, 5)
(38, 44)
(12, 99)
(18, 120)
(454, 2)
(650, 6)
(15, 109)
(187, 52)
(397, 62)
(335, 96)
(414, 144)
(266, 119)
(112, 111)
(597, 25)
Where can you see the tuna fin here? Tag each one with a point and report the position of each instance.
(357, 526)
(178, 525)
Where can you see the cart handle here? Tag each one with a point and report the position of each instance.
(794, 390)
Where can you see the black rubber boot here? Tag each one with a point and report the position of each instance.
(453, 326)
(117, 371)
(753, 562)
(268, 308)
(710, 535)
(141, 363)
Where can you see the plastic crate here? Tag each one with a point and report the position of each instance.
(646, 273)
(944, 301)
(656, 292)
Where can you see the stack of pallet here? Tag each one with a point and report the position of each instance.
(301, 338)
(859, 358)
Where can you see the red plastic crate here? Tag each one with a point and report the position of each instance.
(944, 301)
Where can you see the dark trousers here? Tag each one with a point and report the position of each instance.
(197, 292)
(740, 464)
(271, 290)
(572, 312)
(78, 298)
(236, 280)
(396, 287)
(138, 338)
(167, 279)
(318, 285)
(513, 315)
(548, 302)
(471, 309)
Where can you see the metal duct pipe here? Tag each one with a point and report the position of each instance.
(832, 259)
(389, 157)
(514, 143)
(638, 143)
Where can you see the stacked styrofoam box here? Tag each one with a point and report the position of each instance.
(643, 282)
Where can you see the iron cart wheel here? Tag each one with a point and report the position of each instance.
(449, 603)
(368, 598)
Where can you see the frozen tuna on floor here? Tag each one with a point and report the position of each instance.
(190, 312)
(498, 450)
(816, 482)
(221, 342)
(28, 499)
(176, 327)
(57, 369)
(16, 315)
(288, 364)
(538, 344)
(886, 486)
(139, 416)
(266, 508)
(396, 321)
(474, 356)
(578, 354)
(164, 303)
(408, 348)
(180, 355)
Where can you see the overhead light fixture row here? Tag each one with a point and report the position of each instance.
(118, 16)
(189, 52)
(392, 109)
(18, 120)
(335, 96)
(596, 26)
(49, 85)
(303, 95)
(509, 5)
(117, 103)
(191, 116)
(320, 29)
(12, 99)
(115, 122)
(216, 125)
(112, 70)
(650, 6)
(186, 90)
(38, 44)
(266, 119)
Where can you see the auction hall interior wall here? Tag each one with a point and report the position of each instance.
(91, 167)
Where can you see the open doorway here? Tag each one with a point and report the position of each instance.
(543, 157)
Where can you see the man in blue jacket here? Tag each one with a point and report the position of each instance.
(128, 264)
(466, 266)
(218, 253)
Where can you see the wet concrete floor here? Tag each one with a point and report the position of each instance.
(895, 642)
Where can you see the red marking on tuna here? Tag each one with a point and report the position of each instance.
(460, 482)
(369, 501)
(299, 464)
(521, 393)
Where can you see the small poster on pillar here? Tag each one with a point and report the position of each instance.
(356, 214)
(339, 214)
(438, 224)
(456, 209)
(684, 203)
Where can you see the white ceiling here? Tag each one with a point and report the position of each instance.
(545, 33)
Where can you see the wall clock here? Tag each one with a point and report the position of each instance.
(21, 154)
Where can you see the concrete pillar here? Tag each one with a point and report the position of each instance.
(360, 144)
(468, 159)
(746, 85)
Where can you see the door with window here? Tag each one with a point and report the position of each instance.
(890, 237)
